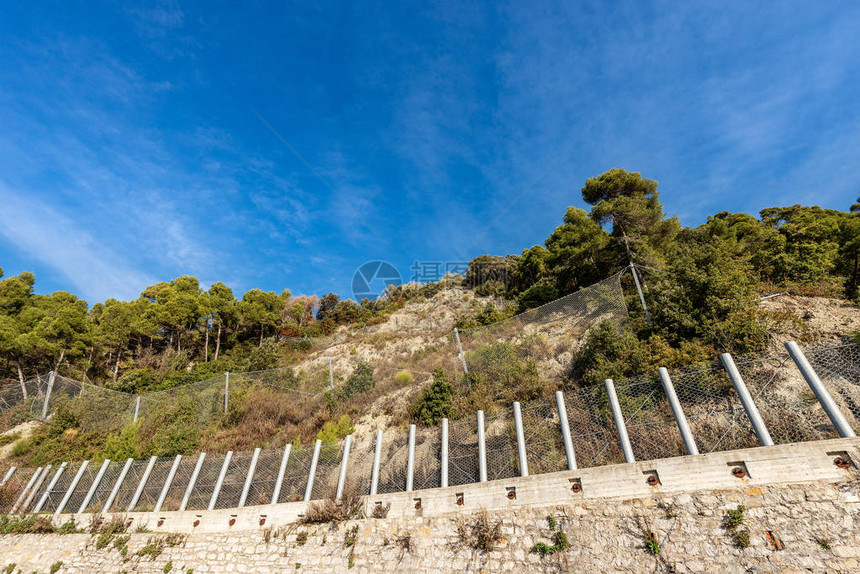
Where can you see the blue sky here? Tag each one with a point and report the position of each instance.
(276, 145)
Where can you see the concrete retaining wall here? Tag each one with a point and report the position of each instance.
(798, 502)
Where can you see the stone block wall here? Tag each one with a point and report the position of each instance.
(812, 527)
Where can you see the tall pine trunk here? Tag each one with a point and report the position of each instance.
(116, 366)
(21, 379)
(206, 345)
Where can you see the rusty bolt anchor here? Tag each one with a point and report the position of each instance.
(196, 523)
(739, 472)
(418, 504)
(652, 480)
(160, 522)
(262, 521)
(232, 521)
(460, 500)
(576, 487)
(512, 495)
(842, 462)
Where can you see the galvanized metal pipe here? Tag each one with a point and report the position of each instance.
(72, 486)
(678, 412)
(51, 485)
(309, 489)
(192, 481)
(521, 440)
(377, 460)
(827, 402)
(226, 390)
(250, 477)
(51, 377)
(164, 489)
(119, 480)
(482, 448)
(565, 431)
(142, 484)
(8, 475)
(344, 462)
(443, 479)
(92, 490)
(220, 482)
(620, 426)
(743, 393)
(276, 493)
(410, 459)
(460, 349)
(136, 407)
(26, 490)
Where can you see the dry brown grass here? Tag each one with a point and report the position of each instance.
(331, 510)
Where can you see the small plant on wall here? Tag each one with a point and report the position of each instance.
(559, 539)
(732, 523)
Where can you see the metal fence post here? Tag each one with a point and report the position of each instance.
(72, 486)
(119, 480)
(192, 481)
(836, 416)
(758, 425)
(226, 390)
(51, 485)
(639, 289)
(51, 377)
(142, 484)
(443, 479)
(330, 377)
(460, 349)
(8, 475)
(521, 440)
(167, 483)
(136, 408)
(565, 431)
(282, 470)
(344, 462)
(92, 490)
(620, 426)
(678, 412)
(220, 482)
(309, 489)
(26, 490)
(482, 449)
(377, 459)
(250, 477)
(410, 459)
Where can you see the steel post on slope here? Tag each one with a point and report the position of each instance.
(309, 489)
(443, 478)
(192, 481)
(521, 441)
(678, 412)
(482, 448)
(620, 425)
(744, 395)
(377, 460)
(282, 470)
(565, 431)
(827, 402)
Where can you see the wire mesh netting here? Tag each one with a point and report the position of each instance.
(508, 350)
(463, 453)
(359, 468)
(14, 486)
(839, 369)
(715, 414)
(296, 474)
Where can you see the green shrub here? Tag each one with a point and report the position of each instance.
(404, 378)
(332, 431)
(359, 381)
(9, 438)
(55, 567)
(435, 402)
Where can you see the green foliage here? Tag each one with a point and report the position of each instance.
(560, 542)
(55, 567)
(360, 381)
(404, 378)
(435, 402)
(9, 438)
(734, 518)
(168, 566)
(31, 524)
(69, 527)
(332, 431)
(652, 545)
